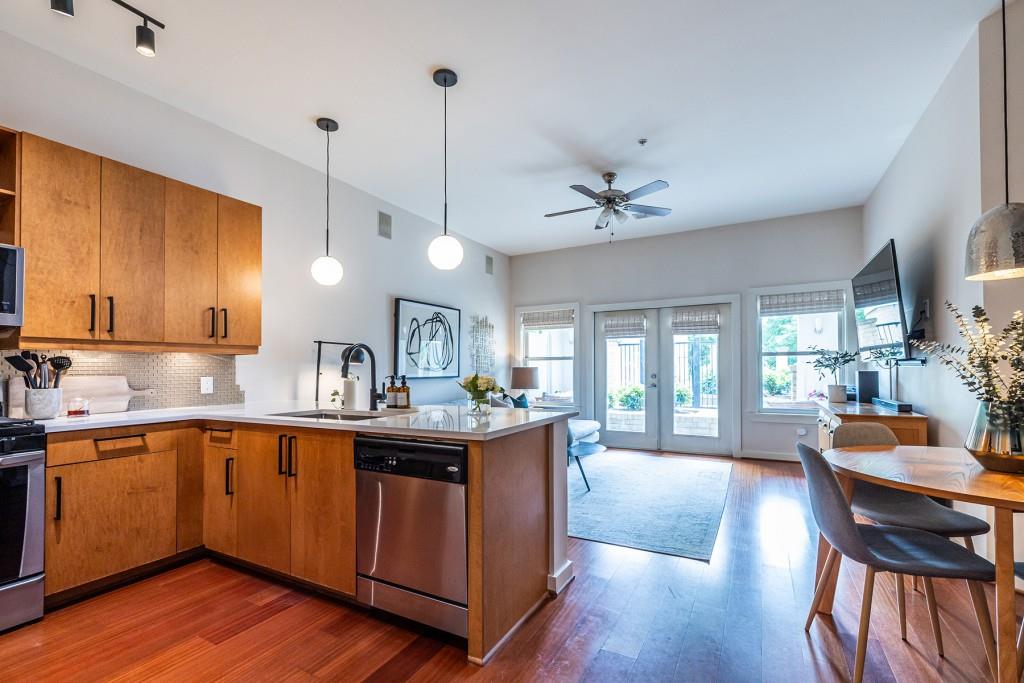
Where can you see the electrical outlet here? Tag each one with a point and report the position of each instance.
(205, 385)
(926, 309)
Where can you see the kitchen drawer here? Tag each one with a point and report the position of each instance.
(220, 436)
(102, 444)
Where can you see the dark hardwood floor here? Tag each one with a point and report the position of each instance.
(629, 615)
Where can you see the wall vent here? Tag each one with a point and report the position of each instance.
(489, 264)
(384, 225)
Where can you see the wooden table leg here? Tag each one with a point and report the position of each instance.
(823, 547)
(1006, 619)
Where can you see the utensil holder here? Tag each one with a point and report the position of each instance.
(42, 404)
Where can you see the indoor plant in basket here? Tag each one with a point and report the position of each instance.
(479, 388)
(830, 363)
(991, 366)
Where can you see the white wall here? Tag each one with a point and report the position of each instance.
(54, 98)
(927, 201)
(718, 261)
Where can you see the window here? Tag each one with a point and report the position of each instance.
(790, 327)
(548, 342)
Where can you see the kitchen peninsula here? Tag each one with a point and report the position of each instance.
(272, 486)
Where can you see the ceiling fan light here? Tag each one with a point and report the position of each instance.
(621, 216)
(445, 252)
(327, 271)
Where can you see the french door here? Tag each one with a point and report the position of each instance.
(663, 378)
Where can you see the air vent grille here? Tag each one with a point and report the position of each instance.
(489, 264)
(384, 225)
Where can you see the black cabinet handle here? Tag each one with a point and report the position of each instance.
(213, 322)
(224, 332)
(280, 453)
(92, 312)
(58, 507)
(110, 317)
(228, 467)
(293, 456)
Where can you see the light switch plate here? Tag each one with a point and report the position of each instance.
(205, 385)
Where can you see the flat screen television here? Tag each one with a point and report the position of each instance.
(878, 306)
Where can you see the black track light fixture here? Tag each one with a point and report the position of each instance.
(65, 7)
(145, 40)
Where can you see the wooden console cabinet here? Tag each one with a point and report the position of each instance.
(910, 428)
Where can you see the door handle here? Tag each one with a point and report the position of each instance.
(92, 312)
(224, 332)
(280, 453)
(110, 316)
(58, 507)
(213, 322)
(228, 471)
(293, 456)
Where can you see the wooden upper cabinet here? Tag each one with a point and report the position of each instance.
(190, 264)
(239, 272)
(131, 254)
(60, 231)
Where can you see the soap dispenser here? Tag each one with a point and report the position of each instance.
(404, 396)
(391, 393)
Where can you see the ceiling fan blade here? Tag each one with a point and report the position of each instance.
(643, 191)
(604, 219)
(647, 210)
(621, 216)
(562, 213)
(584, 190)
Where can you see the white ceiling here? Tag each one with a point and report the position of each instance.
(754, 109)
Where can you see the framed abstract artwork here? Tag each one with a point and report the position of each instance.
(426, 339)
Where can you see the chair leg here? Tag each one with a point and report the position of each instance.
(580, 465)
(865, 619)
(901, 604)
(933, 612)
(969, 543)
(819, 592)
(914, 585)
(977, 591)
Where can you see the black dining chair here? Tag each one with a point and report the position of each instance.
(885, 505)
(885, 548)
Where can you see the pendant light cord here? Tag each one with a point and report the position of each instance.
(1006, 119)
(445, 159)
(327, 247)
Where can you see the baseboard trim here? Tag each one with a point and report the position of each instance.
(768, 455)
(561, 578)
(481, 661)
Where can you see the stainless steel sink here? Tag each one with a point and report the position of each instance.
(348, 415)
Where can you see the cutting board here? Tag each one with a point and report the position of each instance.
(106, 393)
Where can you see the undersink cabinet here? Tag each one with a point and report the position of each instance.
(107, 516)
(264, 515)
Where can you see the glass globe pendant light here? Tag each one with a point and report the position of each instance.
(445, 252)
(995, 247)
(326, 269)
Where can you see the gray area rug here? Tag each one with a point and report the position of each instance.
(666, 504)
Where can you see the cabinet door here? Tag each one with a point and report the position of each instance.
(322, 488)
(131, 254)
(220, 502)
(239, 268)
(264, 525)
(190, 264)
(60, 230)
(107, 516)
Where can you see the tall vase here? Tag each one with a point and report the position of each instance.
(480, 402)
(995, 444)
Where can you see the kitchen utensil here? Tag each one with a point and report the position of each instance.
(60, 365)
(44, 375)
(34, 358)
(21, 365)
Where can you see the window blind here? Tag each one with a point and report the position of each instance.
(548, 320)
(695, 320)
(875, 293)
(625, 324)
(796, 303)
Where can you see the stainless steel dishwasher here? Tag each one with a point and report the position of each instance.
(411, 530)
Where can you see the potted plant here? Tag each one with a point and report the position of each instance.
(830, 363)
(991, 366)
(479, 388)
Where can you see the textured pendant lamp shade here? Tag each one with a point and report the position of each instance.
(326, 269)
(445, 252)
(995, 247)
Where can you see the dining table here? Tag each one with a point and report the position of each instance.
(953, 474)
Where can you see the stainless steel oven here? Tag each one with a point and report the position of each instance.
(411, 530)
(12, 286)
(22, 493)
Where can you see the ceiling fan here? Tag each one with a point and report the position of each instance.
(616, 203)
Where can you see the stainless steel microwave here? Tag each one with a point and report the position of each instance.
(12, 286)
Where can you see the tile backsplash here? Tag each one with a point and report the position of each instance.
(173, 376)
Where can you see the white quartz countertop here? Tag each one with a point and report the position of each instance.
(450, 421)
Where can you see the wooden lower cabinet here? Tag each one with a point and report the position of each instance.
(321, 487)
(264, 513)
(220, 502)
(108, 516)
